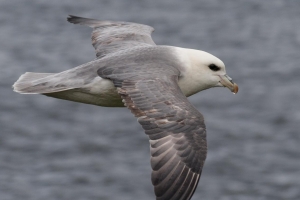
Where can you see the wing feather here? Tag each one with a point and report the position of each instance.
(175, 128)
(172, 187)
(113, 36)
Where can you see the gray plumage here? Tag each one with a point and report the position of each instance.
(153, 82)
(175, 128)
(111, 36)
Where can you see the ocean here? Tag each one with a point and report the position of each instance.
(53, 149)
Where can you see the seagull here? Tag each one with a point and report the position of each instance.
(153, 82)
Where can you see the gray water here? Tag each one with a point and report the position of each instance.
(57, 150)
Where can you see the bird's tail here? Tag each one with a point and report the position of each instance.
(31, 83)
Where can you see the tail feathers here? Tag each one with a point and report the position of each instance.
(25, 84)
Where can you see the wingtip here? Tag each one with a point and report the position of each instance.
(82, 21)
(73, 19)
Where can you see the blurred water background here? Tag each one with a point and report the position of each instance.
(53, 149)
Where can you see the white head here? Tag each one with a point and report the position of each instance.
(201, 71)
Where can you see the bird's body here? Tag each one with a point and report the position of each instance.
(153, 82)
(80, 85)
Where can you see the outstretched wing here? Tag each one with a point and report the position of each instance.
(112, 36)
(175, 128)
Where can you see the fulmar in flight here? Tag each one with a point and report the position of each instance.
(153, 82)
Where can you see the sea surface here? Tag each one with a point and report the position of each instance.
(53, 149)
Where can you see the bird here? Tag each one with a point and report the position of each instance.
(153, 82)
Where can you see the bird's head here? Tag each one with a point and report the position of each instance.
(203, 71)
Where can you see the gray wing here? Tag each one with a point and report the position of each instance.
(112, 36)
(175, 128)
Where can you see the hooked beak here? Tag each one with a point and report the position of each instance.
(226, 81)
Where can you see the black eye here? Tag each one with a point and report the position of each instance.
(214, 67)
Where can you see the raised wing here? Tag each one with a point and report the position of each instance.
(112, 36)
(175, 128)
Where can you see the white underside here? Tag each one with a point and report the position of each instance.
(100, 92)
